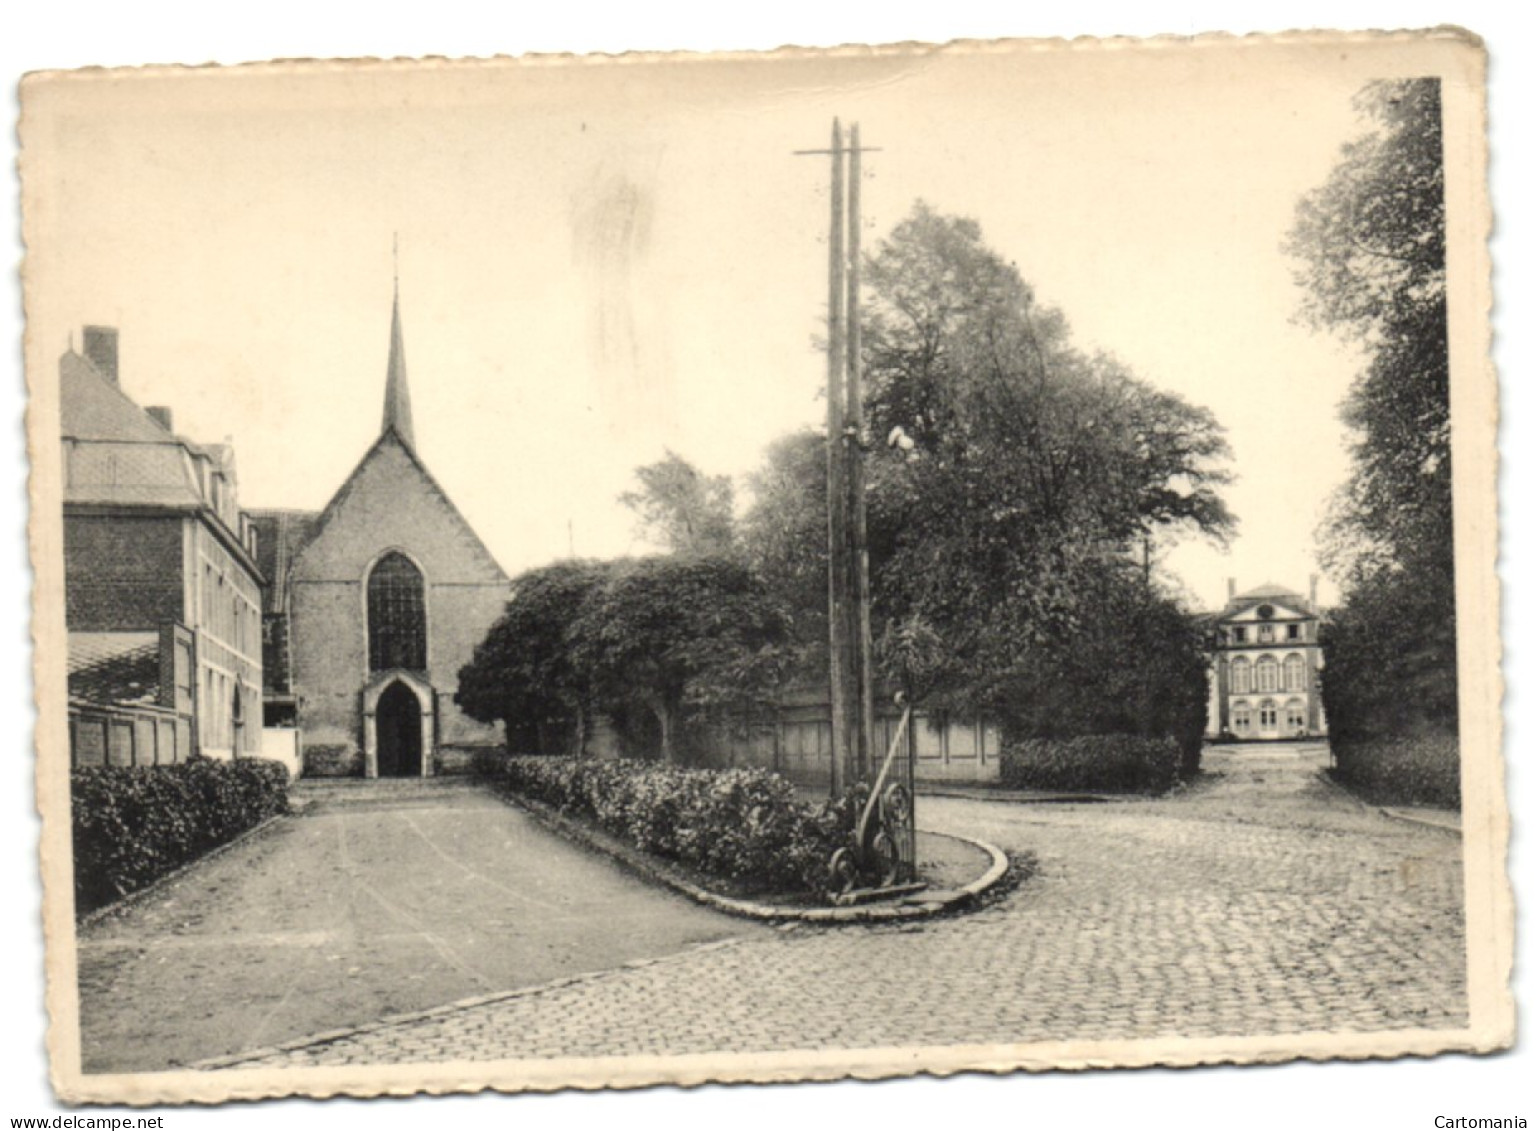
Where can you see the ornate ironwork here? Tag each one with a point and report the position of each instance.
(881, 852)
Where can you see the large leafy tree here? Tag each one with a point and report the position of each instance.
(523, 672)
(785, 537)
(679, 637)
(1371, 250)
(1022, 463)
(681, 509)
(1012, 481)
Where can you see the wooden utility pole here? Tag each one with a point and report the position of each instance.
(863, 746)
(852, 753)
(838, 489)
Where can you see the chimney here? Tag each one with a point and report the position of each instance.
(161, 415)
(100, 345)
(1313, 591)
(1231, 589)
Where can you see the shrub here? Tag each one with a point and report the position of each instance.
(132, 825)
(1111, 763)
(486, 764)
(742, 825)
(1415, 769)
(328, 760)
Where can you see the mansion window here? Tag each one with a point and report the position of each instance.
(1239, 677)
(1241, 718)
(1267, 715)
(1294, 632)
(1296, 720)
(1267, 633)
(1266, 674)
(397, 615)
(1292, 673)
(1239, 634)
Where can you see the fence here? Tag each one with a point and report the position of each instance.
(128, 736)
(798, 743)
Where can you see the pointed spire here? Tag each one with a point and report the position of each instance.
(397, 406)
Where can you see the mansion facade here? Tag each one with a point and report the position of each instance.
(1266, 660)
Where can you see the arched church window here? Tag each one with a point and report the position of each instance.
(397, 615)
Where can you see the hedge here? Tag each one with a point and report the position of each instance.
(1105, 763)
(330, 760)
(132, 825)
(745, 826)
(1414, 769)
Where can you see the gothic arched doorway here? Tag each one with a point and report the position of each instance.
(398, 718)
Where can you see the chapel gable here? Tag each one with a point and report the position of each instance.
(391, 502)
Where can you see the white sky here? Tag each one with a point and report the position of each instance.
(599, 262)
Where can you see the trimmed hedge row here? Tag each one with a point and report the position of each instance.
(133, 825)
(746, 826)
(1416, 769)
(1105, 763)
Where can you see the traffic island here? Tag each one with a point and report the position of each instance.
(958, 869)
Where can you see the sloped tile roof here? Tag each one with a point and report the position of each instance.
(93, 408)
(280, 534)
(1270, 591)
(114, 667)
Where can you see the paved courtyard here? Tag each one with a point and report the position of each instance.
(377, 898)
(1261, 901)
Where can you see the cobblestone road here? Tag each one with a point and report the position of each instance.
(1259, 902)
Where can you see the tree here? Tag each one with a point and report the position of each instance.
(523, 672)
(680, 508)
(1371, 250)
(1024, 463)
(785, 537)
(1011, 480)
(679, 636)
(1137, 664)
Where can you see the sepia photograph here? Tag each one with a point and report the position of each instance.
(587, 572)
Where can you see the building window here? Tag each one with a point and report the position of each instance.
(397, 615)
(1239, 634)
(1267, 715)
(1239, 677)
(1294, 632)
(1297, 721)
(1267, 633)
(1266, 674)
(1292, 673)
(1241, 718)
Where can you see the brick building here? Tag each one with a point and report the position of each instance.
(161, 586)
(1264, 680)
(376, 602)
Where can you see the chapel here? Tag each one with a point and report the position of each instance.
(373, 605)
